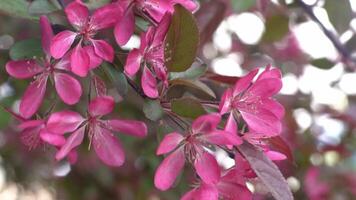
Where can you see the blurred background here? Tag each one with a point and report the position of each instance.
(313, 42)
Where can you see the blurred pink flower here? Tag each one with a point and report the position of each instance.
(203, 133)
(84, 58)
(155, 9)
(314, 187)
(67, 87)
(151, 55)
(105, 144)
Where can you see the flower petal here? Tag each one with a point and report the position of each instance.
(222, 138)
(68, 88)
(79, 61)
(72, 142)
(149, 83)
(31, 124)
(206, 123)
(207, 168)
(22, 69)
(169, 143)
(207, 192)
(275, 155)
(169, 169)
(106, 16)
(275, 107)
(46, 34)
(244, 82)
(108, 147)
(225, 102)
(52, 139)
(125, 27)
(61, 43)
(33, 97)
(94, 59)
(103, 50)
(264, 88)
(77, 14)
(130, 127)
(64, 122)
(133, 62)
(101, 105)
(270, 73)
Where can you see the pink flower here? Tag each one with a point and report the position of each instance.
(314, 187)
(90, 56)
(192, 147)
(105, 144)
(67, 87)
(151, 56)
(254, 103)
(230, 186)
(154, 9)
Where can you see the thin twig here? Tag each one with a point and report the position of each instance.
(346, 55)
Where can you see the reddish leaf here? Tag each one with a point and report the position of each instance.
(280, 145)
(267, 171)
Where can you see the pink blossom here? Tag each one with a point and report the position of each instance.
(151, 56)
(254, 103)
(88, 52)
(67, 87)
(230, 186)
(192, 147)
(99, 130)
(154, 9)
(314, 187)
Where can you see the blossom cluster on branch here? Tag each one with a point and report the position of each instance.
(246, 113)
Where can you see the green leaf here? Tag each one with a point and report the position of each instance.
(117, 78)
(267, 171)
(340, 14)
(43, 7)
(322, 63)
(187, 107)
(26, 49)
(242, 5)
(153, 110)
(194, 72)
(276, 28)
(17, 8)
(94, 4)
(182, 40)
(194, 84)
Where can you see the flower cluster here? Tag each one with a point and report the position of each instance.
(69, 60)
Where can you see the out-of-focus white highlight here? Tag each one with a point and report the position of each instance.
(247, 26)
(227, 66)
(348, 83)
(134, 42)
(303, 118)
(222, 39)
(313, 41)
(223, 159)
(331, 130)
(290, 84)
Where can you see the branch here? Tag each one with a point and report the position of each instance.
(346, 55)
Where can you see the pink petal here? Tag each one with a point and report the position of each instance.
(207, 168)
(23, 68)
(99, 86)
(169, 143)
(243, 83)
(206, 123)
(231, 190)
(79, 61)
(72, 157)
(231, 125)
(161, 30)
(68, 88)
(77, 14)
(61, 43)
(46, 34)
(275, 155)
(191, 195)
(106, 16)
(130, 127)
(103, 50)
(125, 27)
(207, 192)
(33, 97)
(94, 59)
(101, 105)
(262, 121)
(72, 142)
(169, 169)
(64, 62)
(222, 138)
(225, 102)
(31, 124)
(64, 122)
(275, 107)
(270, 73)
(108, 148)
(265, 88)
(133, 62)
(149, 83)
(52, 139)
